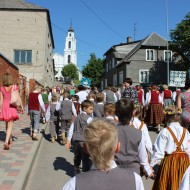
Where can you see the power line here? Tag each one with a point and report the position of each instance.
(115, 32)
(58, 27)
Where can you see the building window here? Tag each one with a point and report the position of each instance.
(106, 67)
(167, 55)
(113, 62)
(22, 56)
(70, 34)
(110, 65)
(144, 76)
(69, 59)
(115, 80)
(69, 45)
(149, 55)
(121, 77)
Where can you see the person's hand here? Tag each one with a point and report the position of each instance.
(68, 144)
(152, 174)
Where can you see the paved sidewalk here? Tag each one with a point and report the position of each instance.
(16, 163)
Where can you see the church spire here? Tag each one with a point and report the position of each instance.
(71, 28)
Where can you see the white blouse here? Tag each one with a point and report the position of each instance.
(147, 141)
(165, 144)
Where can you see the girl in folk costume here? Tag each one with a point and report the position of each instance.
(172, 148)
(167, 96)
(137, 122)
(155, 109)
(109, 112)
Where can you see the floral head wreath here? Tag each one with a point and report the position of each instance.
(137, 106)
(172, 110)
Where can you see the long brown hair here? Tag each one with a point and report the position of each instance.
(7, 79)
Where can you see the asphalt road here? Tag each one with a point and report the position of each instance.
(53, 166)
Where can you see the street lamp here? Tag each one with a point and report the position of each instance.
(168, 70)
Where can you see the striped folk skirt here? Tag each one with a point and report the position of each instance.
(154, 115)
(171, 171)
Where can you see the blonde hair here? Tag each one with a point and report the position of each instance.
(165, 86)
(109, 108)
(101, 137)
(7, 79)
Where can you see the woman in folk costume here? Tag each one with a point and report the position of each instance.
(155, 108)
(167, 96)
(172, 148)
(141, 100)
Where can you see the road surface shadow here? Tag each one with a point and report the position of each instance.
(61, 163)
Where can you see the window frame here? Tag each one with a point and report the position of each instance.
(27, 56)
(149, 50)
(140, 76)
(170, 59)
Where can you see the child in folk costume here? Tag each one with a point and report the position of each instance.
(75, 100)
(52, 115)
(139, 124)
(185, 183)
(154, 114)
(167, 96)
(172, 148)
(99, 106)
(76, 133)
(175, 95)
(101, 142)
(109, 112)
(66, 111)
(132, 153)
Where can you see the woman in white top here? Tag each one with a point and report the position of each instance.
(172, 149)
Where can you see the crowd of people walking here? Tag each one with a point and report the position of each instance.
(109, 131)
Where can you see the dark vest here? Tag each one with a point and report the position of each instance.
(53, 112)
(115, 179)
(66, 110)
(79, 124)
(33, 102)
(130, 138)
(99, 110)
(109, 96)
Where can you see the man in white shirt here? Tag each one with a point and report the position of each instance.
(82, 93)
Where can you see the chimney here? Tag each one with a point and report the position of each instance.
(129, 39)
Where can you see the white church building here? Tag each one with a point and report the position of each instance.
(70, 55)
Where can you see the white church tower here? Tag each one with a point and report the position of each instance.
(70, 53)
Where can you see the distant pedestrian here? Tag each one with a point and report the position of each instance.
(35, 104)
(46, 103)
(53, 118)
(8, 113)
(99, 106)
(109, 96)
(167, 96)
(129, 92)
(81, 93)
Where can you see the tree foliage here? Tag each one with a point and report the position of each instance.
(180, 41)
(93, 69)
(70, 71)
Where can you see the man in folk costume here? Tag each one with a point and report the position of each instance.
(172, 149)
(141, 101)
(155, 109)
(167, 96)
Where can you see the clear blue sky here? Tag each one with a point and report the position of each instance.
(100, 24)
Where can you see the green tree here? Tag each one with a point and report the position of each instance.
(93, 69)
(70, 71)
(180, 42)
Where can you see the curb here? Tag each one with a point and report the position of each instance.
(34, 153)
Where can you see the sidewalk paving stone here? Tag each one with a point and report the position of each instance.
(16, 163)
